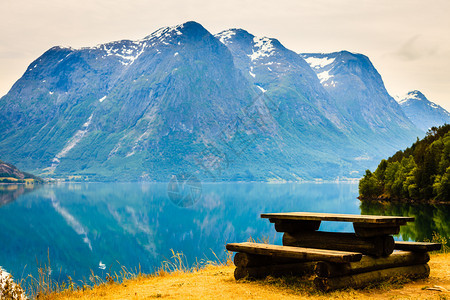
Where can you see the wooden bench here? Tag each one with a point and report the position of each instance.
(417, 246)
(256, 260)
(302, 254)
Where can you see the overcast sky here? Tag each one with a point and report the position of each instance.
(408, 41)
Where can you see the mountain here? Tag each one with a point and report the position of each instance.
(422, 112)
(306, 119)
(273, 68)
(182, 101)
(125, 108)
(359, 91)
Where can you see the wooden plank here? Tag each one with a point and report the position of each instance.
(295, 226)
(380, 225)
(295, 252)
(369, 263)
(377, 246)
(296, 269)
(246, 260)
(364, 231)
(417, 246)
(364, 279)
(307, 216)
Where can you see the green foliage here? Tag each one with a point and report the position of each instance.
(369, 186)
(421, 172)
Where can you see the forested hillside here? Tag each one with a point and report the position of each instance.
(10, 174)
(421, 172)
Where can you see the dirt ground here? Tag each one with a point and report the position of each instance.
(217, 282)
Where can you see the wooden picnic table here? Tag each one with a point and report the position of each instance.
(339, 259)
(373, 234)
(365, 226)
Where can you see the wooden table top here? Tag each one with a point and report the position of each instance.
(308, 216)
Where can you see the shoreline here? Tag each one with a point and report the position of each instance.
(386, 200)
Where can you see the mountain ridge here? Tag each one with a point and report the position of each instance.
(182, 98)
(422, 112)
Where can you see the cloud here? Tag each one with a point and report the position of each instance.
(416, 48)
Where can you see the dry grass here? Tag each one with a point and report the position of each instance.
(444, 241)
(217, 282)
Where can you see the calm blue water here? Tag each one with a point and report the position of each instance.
(79, 225)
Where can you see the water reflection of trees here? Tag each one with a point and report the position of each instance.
(429, 218)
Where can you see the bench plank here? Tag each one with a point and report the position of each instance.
(370, 263)
(372, 231)
(295, 252)
(363, 279)
(308, 216)
(247, 260)
(294, 269)
(295, 226)
(417, 246)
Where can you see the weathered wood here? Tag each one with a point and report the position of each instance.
(380, 225)
(297, 269)
(307, 216)
(363, 279)
(388, 245)
(417, 246)
(365, 231)
(368, 263)
(295, 252)
(376, 246)
(246, 260)
(295, 226)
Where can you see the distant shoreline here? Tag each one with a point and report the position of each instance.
(207, 182)
(386, 200)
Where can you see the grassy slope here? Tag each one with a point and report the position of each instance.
(217, 282)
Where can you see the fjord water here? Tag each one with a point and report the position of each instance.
(102, 226)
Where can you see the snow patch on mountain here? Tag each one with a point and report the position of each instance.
(126, 53)
(414, 95)
(324, 76)
(261, 88)
(225, 36)
(318, 63)
(322, 67)
(264, 46)
(166, 32)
